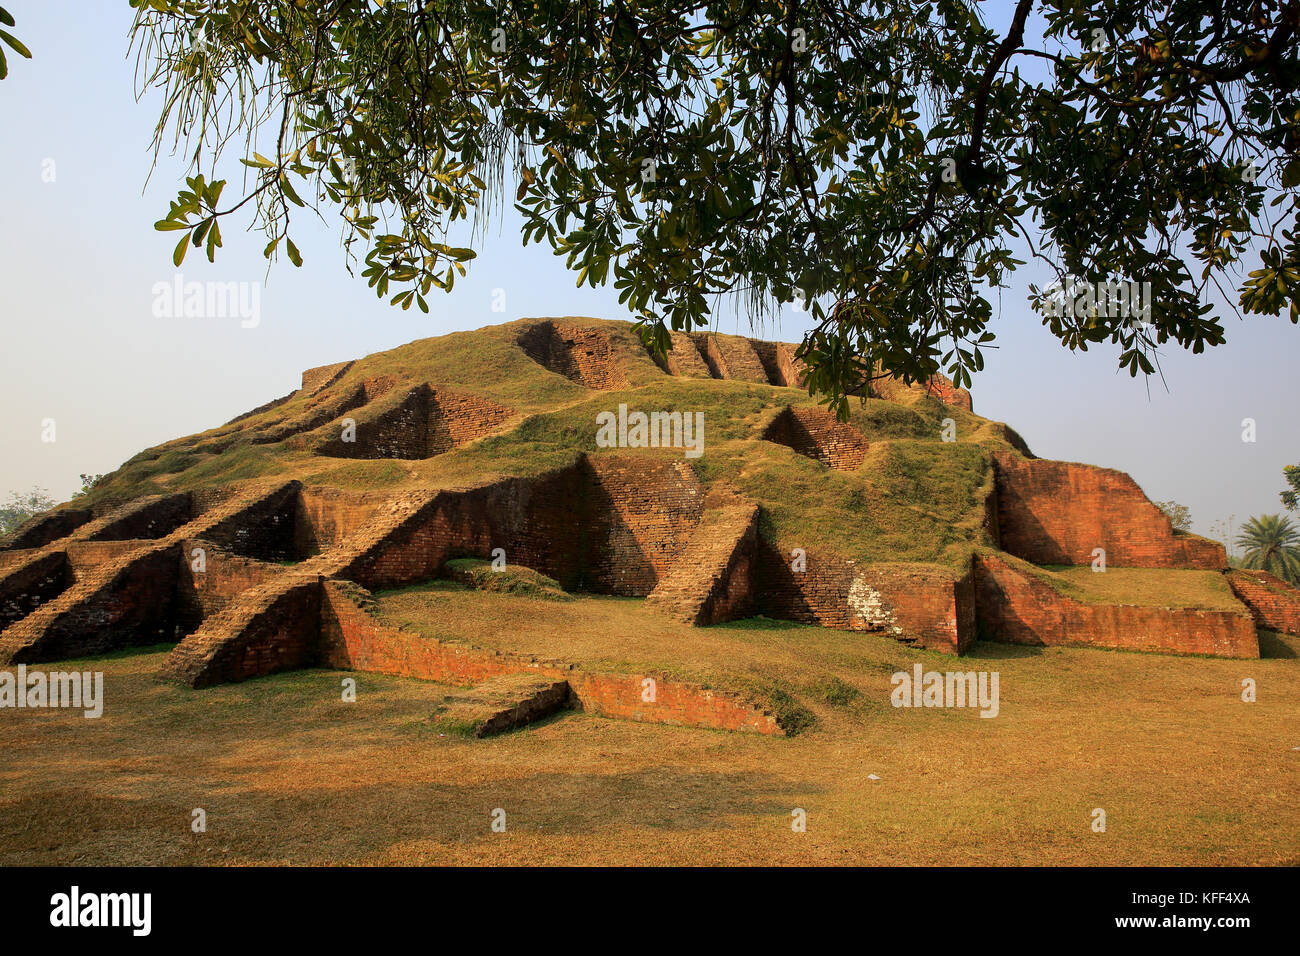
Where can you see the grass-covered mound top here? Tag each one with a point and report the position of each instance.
(510, 579)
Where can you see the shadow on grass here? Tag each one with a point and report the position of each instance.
(1273, 644)
(311, 824)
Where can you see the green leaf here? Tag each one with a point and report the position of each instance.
(181, 247)
(13, 42)
(294, 256)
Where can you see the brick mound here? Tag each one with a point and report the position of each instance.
(817, 434)
(250, 577)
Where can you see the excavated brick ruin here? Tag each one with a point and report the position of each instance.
(261, 577)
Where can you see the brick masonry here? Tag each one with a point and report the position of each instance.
(1273, 603)
(713, 578)
(1056, 512)
(817, 434)
(111, 595)
(732, 357)
(1014, 607)
(582, 355)
(419, 423)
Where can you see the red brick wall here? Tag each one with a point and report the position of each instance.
(134, 606)
(643, 512)
(325, 517)
(1056, 512)
(1273, 603)
(457, 419)
(420, 424)
(1014, 607)
(273, 628)
(914, 603)
(684, 357)
(732, 357)
(265, 530)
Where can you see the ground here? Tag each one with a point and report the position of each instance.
(288, 772)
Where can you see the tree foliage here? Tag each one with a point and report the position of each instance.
(22, 506)
(8, 39)
(1271, 543)
(887, 163)
(1291, 496)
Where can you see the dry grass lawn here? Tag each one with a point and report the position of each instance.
(289, 773)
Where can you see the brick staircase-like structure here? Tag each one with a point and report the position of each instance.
(712, 578)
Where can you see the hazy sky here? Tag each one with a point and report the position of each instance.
(79, 259)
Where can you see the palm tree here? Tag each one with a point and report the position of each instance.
(1271, 543)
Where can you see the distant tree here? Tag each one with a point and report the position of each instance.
(1291, 497)
(6, 37)
(21, 507)
(1271, 543)
(1179, 515)
(88, 483)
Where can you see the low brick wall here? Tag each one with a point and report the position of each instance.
(1273, 603)
(352, 639)
(1056, 512)
(1014, 607)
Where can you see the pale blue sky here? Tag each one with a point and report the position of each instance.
(79, 258)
